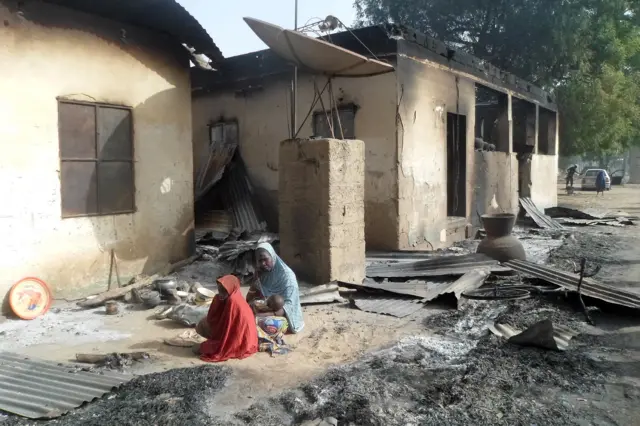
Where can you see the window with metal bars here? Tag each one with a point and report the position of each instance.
(96, 159)
(344, 116)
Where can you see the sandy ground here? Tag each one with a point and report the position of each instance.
(333, 334)
(625, 256)
(347, 341)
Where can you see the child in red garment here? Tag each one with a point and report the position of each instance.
(231, 325)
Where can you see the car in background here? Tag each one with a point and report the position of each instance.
(588, 182)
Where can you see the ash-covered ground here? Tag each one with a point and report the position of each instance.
(455, 373)
(464, 375)
(175, 397)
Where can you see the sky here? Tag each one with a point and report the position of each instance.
(223, 20)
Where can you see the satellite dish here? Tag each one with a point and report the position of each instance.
(314, 55)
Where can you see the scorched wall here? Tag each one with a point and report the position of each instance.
(49, 52)
(263, 122)
(425, 94)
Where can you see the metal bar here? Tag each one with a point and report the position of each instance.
(294, 95)
(315, 102)
(589, 287)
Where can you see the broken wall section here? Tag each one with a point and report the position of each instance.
(544, 180)
(496, 184)
(321, 212)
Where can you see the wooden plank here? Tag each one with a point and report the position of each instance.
(143, 282)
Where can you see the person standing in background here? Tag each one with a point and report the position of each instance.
(600, 183)
(571, 171)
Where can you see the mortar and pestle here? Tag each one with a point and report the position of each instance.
(499, 244)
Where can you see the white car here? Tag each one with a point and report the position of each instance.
(589, 180)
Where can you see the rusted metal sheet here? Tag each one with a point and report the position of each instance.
(396, 307)
(434, 267)
(422, 289)
(398, 256)
(217, 223)
(541, 219)
(590, 287)
(223, 145)
(565, 212)
(237, 195)
(561, 335)
(163, 16)
(38, 389)
(429, 290)
(327, 293)
(620, 223)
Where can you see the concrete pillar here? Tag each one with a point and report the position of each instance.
(321, 195)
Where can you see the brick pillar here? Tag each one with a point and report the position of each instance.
(321, 211)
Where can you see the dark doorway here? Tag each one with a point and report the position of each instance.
(456, 165)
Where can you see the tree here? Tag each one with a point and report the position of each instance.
(586, 51)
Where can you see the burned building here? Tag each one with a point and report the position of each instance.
(96, 139)
(425, 182)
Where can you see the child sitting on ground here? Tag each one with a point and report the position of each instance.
(273, 303)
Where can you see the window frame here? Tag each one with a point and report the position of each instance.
(323, 113)
(223, 124)
(96, 160)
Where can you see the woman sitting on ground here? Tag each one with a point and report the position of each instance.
(275, 278)
(230, 325)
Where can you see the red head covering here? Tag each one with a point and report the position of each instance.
(232, 325)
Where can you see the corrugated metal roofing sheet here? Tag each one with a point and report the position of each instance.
(590, 287)
(165, 16)
(43, 390)
(216, 222)
(393, 306)
(429, 290)
(327, 293)
(562, 335)
(237, 194)
(434, 267)
(541, 219)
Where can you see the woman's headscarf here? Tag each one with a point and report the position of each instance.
(232, 326)
(282, 280)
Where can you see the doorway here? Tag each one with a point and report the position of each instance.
(456, 165)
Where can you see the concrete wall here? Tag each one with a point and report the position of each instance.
(263, 121)
(425, 95)
(48, 52)
(544, 180)
(322, 209)
(495, 187)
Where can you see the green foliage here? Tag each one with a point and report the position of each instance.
(586, 51)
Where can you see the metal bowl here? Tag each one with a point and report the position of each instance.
(164, 286)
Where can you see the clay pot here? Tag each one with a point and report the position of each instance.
(499, 244)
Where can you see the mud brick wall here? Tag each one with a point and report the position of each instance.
(321, 212)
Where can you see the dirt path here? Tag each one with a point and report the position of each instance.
(618, 249)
